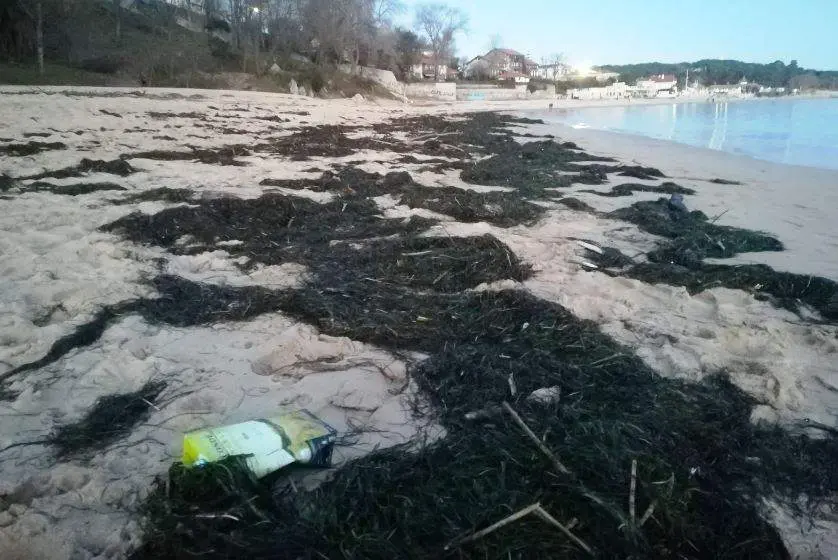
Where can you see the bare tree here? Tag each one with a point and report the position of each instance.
(38, 18)
(383, 11)
(238, 17)
(555, 61)
(440, 24)
(118, 9)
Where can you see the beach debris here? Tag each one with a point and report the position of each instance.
(587, 264)
(521, 513)
(545, 395)
(513, 389)
(633, 491)
(605, 257)
(560, 468)
(267, 444)
(589, 246)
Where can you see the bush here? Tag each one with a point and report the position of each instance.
(317, 81)
(222, 50)
(101, 64)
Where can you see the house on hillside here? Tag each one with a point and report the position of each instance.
(426, 68)
(497, 61)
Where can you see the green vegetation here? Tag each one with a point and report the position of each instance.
(711, 71)
(160, 43)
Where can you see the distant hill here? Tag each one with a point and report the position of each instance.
(713, 71)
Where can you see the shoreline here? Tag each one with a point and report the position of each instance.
(260, 291)
(799, 204)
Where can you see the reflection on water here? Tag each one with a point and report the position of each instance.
(793, 131)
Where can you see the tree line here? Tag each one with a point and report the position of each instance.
(712, 71)
(251, 32)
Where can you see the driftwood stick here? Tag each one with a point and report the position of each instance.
(513, 389)
(495, 526)
(633, 491)
(648, 513)
(554, 522)
(543, 448)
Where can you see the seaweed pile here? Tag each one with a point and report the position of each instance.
(165, 194)
(74, 189)
(628, 189)
(219, 156)
(30, 148)
(497, 207)
(630, 464)
(690, 237)
(701, 464)
(110, 418)
(114, 167)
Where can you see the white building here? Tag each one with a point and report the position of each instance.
(659, 85)
(617, 90)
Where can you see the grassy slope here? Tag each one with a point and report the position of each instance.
(153, 46)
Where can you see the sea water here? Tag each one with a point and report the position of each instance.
(797, 131)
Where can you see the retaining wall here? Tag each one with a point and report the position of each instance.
(446, 91)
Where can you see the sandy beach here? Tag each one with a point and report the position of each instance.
(170, 161)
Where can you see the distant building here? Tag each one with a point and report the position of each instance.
(498, 61)
(658, 85)
(426, 68)
(517, 77)
(742, 89)
(616, 90)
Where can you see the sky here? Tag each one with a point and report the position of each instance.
(628, 31)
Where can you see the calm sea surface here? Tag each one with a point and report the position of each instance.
(789, 130)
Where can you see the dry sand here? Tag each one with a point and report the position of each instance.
(58, 270)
